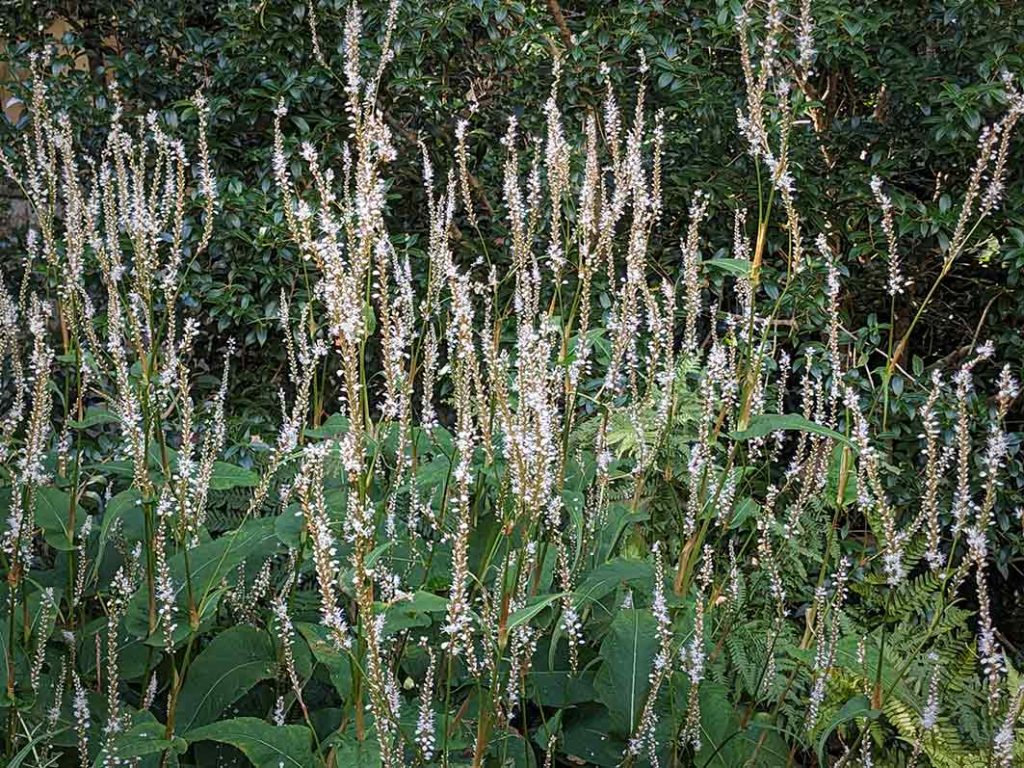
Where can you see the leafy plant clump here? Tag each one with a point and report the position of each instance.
(533, 501)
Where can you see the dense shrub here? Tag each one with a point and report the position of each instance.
(604, 435)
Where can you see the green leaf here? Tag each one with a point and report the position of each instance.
(726, 743)
(141, 740)
(589, 739)
(289, 525)
(369, 319)
(836, 471)
(858, 706)
(766, 423)
(415, 612)
(335, 425)
(548, 729)
(529, 611)
(252, 542)
(350, 751)
(234, 662)
(266, 745)
(606, 578)
(560, 688)
(52, 505)
(227, 476)
(745, 509)
(94, 416)
(126, 507)
(325, 652)
(208, 565)
(628, 652)
(42, 734)
(734, 267)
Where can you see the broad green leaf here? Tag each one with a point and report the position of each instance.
(350, 751)
(208, 565)
(620, 518)
(589, 738)
(142, 740)
(126, 507)
(858, 706)
(405, 614)
(52, 505)
(560, 688)
(252, 542)
(548, 729)
(335, 661)
(334, 426)
(288, 526)
(766, 423)
(227, 476)
(94, 416)
(606, 578)
(511, 749)
(726, 743)
(734, 267)
(628, 651)
(228, 667)
(266, 745)
(744, 509)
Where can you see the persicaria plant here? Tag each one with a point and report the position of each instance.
(535, 500)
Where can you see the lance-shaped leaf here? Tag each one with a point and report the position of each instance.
(628, 651)
(266, 745)
(767, 423)
(532, 609)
